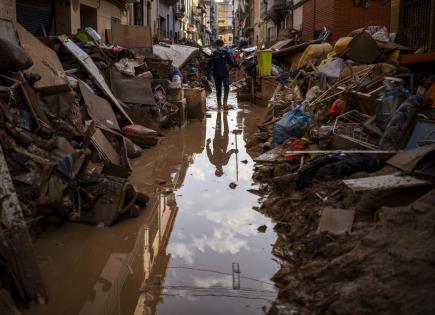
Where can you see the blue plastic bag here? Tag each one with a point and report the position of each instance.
(293, 124)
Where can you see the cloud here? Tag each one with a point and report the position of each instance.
(181, 250)
(213, 281)
(220, 242)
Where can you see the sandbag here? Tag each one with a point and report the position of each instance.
(314, 51)
(293, 124)
(12, 57)
(341, 45)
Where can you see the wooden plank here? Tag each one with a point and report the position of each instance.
(45, 60)
(383, 182)
(16, 239)
(132, 36)
(99, 108)
(412, 59)
(95, 73)
(387, 152)
(409, 159)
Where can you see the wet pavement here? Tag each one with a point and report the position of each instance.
(194, 250)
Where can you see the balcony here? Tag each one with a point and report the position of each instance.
(180, 11)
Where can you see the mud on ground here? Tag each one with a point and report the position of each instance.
(384, 266)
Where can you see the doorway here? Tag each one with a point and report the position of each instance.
(88, 17)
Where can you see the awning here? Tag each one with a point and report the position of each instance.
(179, 54)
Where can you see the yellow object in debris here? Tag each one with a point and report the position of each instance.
(341, 45)
(431, 94)
(395, 55)
(264, 62)
(314, 51)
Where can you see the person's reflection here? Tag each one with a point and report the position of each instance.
(220, 156)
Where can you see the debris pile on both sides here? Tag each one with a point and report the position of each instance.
(73, 112)
(346, 166)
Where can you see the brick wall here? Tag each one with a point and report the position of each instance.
(325, 13)
(348, 18)
(308, 20)
(317, 14)
(395, 16)
(341, 17)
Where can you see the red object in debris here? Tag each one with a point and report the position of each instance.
(337, 108)
(138, 130)
(297, 145)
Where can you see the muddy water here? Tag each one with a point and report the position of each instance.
(194, 250)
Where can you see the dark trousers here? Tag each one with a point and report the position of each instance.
(218, 81)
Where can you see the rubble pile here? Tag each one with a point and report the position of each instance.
(73, 112)
(345, 162)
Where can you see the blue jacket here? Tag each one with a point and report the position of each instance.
(218, 63)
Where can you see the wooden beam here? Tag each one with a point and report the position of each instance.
(341, 152)
(16, 239)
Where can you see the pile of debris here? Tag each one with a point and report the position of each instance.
(73, 112)
(346, 162)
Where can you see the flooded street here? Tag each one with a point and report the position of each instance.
(194, 250)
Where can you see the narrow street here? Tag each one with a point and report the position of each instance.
(190, 251)
(217, 157)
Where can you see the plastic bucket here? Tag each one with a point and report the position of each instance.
(264, 62)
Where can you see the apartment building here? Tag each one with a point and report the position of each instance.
(225, 20)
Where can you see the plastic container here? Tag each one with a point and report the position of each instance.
(264, 62)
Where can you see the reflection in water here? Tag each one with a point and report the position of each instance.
(220, 156)
(215, 230)
(179, 256)
(155, 258)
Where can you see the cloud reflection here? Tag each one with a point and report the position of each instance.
(220, 242)
(213, 281)
(183, 251)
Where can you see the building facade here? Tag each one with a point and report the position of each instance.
(211, 22)
(177, 20)
(342, 17)
(225, 19)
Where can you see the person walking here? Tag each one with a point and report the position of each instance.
(218, 67)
